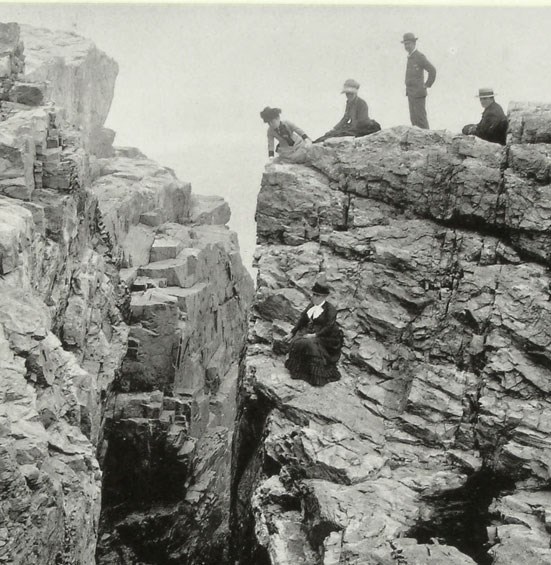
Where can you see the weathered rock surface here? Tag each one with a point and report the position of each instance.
(63, 337)
(434, 446)
(168, 459)
(79, 78)
(122, 318)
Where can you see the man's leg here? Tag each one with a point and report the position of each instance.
(367, 129)
(333, 133)
(418, 112)
(322, 138)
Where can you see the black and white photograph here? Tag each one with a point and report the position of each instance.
(275, 283)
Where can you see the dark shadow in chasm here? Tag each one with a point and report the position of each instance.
(460, 516)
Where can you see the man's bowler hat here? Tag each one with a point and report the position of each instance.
(409, 37)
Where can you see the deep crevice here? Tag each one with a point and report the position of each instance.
(459, 517)
(249, 468)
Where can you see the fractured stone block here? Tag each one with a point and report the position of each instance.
(16, 167)
(180, 271)
(152, 219)
(165, 247)
(209, 210)
(27, 93)
(5, 66)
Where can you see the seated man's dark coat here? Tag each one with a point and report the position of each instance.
(493, 125)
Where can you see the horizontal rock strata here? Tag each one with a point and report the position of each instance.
(434, 446)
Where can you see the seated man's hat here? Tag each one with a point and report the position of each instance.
(485, 93)
(350, 85)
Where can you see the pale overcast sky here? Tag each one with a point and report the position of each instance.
(193, 78)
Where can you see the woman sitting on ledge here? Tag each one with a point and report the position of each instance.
(316, 341)
(293, 142)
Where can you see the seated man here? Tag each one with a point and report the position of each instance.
(493, 125)
(356, 119)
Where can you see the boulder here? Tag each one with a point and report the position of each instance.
(209, 210)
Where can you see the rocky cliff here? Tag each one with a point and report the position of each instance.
(123, 320)
(123, 311)
(435, 445)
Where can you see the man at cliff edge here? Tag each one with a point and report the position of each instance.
(356, 121)
(493, 125)
(416, 86)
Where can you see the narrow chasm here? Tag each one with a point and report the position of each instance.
(250, 465)
(142, 469)
(146, 414)
(460, 517)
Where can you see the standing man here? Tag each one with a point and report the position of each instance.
(493, 125)
(416, 86)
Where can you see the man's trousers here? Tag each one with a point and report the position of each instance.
(418, 112)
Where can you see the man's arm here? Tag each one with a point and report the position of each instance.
(270, 142)
(345, 119)
(431, 70)
(360, 118)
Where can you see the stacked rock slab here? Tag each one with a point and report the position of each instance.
(169, 428)
(122, 317)
(434, 447)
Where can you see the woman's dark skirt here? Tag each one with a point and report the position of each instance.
(314, 359)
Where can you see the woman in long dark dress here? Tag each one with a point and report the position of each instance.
(316, 341)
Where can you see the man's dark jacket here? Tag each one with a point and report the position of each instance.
(415, 75)
(493, 125)
(356, 117)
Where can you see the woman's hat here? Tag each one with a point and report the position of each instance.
(485, 93)
(320, 288)
(409, 37)
(270, 113)
(350, 85)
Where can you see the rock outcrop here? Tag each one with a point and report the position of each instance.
(77, 76)
(122, 318)
(57, 286)
(169, 428)
(435, 445)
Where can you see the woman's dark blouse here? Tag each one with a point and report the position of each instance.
(326, 329)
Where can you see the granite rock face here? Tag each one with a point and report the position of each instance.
(169, 427)
(122, 319)
(62, 334)
(434, 445)
(75, 75)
